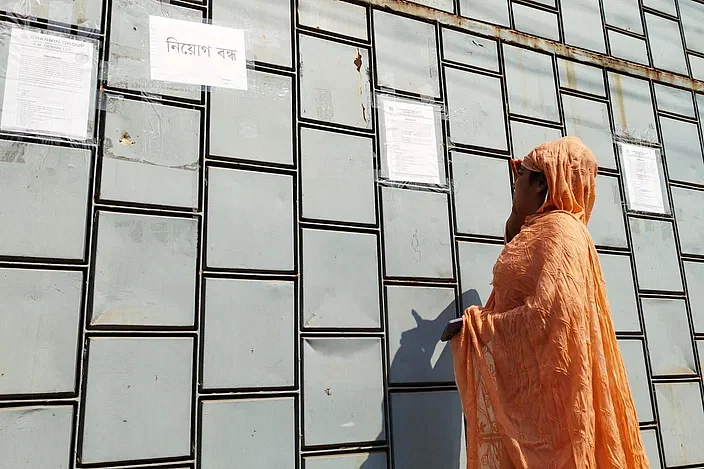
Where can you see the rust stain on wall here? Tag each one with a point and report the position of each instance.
(618, 100)
(571, 77)
(358, 61)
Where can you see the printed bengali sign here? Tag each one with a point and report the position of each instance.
(197, 53)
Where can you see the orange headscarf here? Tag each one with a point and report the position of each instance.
(539, 372)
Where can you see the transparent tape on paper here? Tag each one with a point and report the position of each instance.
(49, 84)
(85, 14)
(643, 176)
(411, 148)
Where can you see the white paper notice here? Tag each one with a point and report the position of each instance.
(411, 144)
(643, 180)
(48, 85)
(197, 53)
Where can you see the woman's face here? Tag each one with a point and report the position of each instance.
(528, 192)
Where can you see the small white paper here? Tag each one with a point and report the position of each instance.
(197, 53)
(411, 144)
(643, 180)
(48, 85)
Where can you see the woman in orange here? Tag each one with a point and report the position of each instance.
(540, 375)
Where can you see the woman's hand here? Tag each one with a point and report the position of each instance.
(515, 221)
(514, 225)
(515, 165)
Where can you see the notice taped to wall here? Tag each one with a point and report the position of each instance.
(643, 178)
(197, 53)
(411, 142)
(48, 85)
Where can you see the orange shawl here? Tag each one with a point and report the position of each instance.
(539, 372)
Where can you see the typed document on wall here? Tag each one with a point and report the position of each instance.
(411, 142)
(643, 180)
(48, 85)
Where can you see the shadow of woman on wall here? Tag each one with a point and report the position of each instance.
(426, 425)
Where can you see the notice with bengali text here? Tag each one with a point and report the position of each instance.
(197, 53)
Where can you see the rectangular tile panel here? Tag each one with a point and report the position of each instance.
(246, 430)
(618, 276)
(525, 137)
(669, 337)
(36, 437)
(376, 460)
(416, 317)
(249, 323)
(665, 41)
(656, 255)
(689, 210)
(623, 14)
(683, 150)
(406, 54)
(536, 22)
(266, 242)
(606, 224)
(482, 192)
(628, 48)
(340, 280)
(682, 422)
(475, 104)
(256, 124)
(470, 50)
(694, 273)
(145, 270)
(634, 359)
(490, 11)
(531, 84)
(128, 60)
(632, 107)
(138, 390)
(39, 312)
(335, 82)
(650, 441)
(692, 14)
(664, 6)
(580, 77)
(343, 391)
(416, 234)
(34, 225)
(150, 153)
(335, 16)
(435, 443)
(589, 120)
(583, 25)
(674, 100)
(476, 271)
(337, 174)
(267, 24)
(444, 5)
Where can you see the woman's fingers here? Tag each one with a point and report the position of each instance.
(515, 164)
